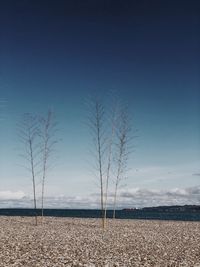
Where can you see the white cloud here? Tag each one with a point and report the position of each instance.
(142, 197)
(9, 195)
(135, 197)
(174, 196)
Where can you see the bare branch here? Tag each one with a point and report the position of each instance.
(28, 133)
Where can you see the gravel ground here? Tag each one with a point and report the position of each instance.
(79, 242)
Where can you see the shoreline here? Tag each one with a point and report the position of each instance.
(174, 215)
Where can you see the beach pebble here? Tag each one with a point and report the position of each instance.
(73, 242)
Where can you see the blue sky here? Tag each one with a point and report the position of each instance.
(57, 55)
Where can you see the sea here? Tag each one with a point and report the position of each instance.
(120, 214)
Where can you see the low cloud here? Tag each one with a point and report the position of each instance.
(196, 174)
(9, 195)
(146, 198)
(10, 199)
(135, 197)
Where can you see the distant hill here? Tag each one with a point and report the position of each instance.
(176, 208)
(185, 208)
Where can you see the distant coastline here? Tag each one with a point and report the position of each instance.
(171, 208)
(177, 213)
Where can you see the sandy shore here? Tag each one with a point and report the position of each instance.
(78, 242)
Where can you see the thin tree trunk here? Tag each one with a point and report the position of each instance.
(100, 170)
(115, 198)
(106, 198)
(33, 180)
(120, 159)
(99, 148)
(108, 172)
(115, 201)
(43, 181)
(47, 131)
(28, 130)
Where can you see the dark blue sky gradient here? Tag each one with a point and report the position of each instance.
(56, 53)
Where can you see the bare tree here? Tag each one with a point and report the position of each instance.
(28, 132)
(123, 140)
(48, 128)
(109, 158)
(112, 145)
(97, 125)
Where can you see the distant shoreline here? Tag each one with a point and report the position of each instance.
(177, 213)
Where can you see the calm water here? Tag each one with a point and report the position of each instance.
(120, 214)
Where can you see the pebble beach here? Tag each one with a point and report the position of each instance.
(66, 242)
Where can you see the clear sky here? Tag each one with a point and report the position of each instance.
(54, 54)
